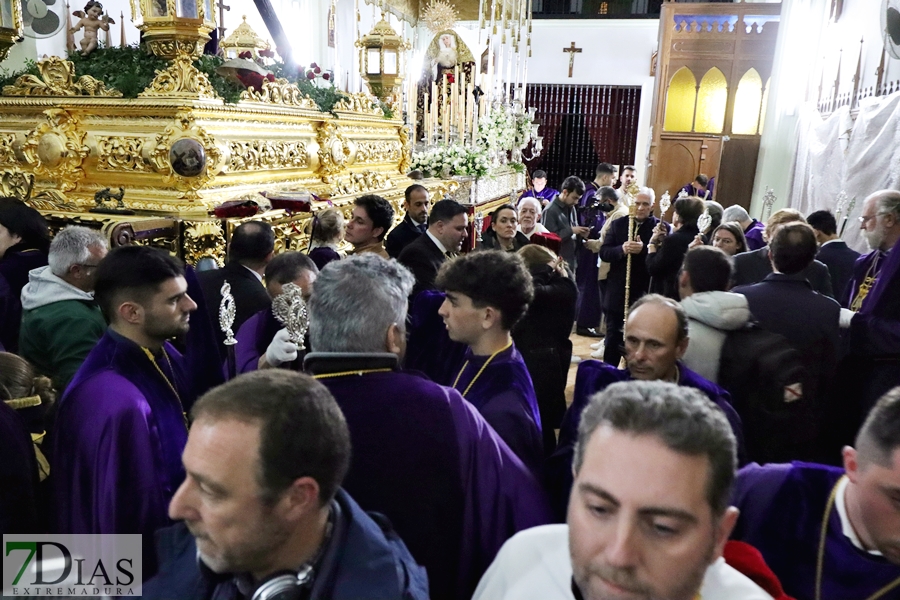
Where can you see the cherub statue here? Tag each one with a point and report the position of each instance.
(92, 22)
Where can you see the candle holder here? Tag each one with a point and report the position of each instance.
(380, 56)
(12, 28)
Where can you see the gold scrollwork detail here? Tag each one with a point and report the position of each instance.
(56, 148)
(121, 154)
(358, 183)
(52, 200)
(168, 48)
(359, 103)
(7, 149)
(259, 154)
(57, 78)
(16, 184)
(180, 79)
(334, 149)
(204, 239)
(405, 150)
(280, 91)
(378, 151)
(207, 165)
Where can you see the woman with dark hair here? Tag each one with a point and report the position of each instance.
(729, 237)
(503, 234)
(24, 242)
(327, 232)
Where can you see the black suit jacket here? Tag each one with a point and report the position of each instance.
(840, 260)
(611, 252)
(752, 267)
(424, 259)
(250, 295)
(664, 264)
(401, 236)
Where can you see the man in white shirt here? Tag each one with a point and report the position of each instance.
(649, 513)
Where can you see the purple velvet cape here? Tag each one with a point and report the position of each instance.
(430, 349)
(754, 235)
(782, 507)
(427, 459)
(116, 447)
(253, 338)
(545, 195)
(504, 395)
(594, 376)
(323, 255)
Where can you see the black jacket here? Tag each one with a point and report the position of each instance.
(664, 264)
(250, 296)
(611, 252)
(558, 218)
(752, 267)
(401, 236)
(840, 260)
(424, 259)
(489, 241)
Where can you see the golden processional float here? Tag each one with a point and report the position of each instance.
(155, 168)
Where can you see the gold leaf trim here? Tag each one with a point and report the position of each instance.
(57, 78)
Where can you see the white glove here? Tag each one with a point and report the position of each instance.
(281, 350)
(846, 316)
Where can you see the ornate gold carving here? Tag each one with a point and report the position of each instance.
(171, 49)
(359, 103)
(16, 184)
(358, 183)
(52, 200)
(405, 150)
(185, 128)
(180, 79)
(204, 239)
(378, 151)
(258, 154)
(121, 154)
(334, 149)
(7, 150)
(57, 78)
(280, 91)
(56, 149)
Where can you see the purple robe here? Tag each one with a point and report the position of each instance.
(594, 376)
(430, 349)
(782, 508)
(754, 235)
(545, 196)
(586, 269)
(253, 339)
(504, 395)
(322, 255)
(430, 462)
(116, 446)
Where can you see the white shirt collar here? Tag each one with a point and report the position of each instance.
(258, 276)
(436, 241)
(846, 526)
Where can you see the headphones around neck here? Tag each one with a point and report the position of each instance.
(286, 585)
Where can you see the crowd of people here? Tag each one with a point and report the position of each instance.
(737, 436)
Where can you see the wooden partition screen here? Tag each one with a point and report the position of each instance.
(583, 125)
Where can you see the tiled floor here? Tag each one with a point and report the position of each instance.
(581, 346)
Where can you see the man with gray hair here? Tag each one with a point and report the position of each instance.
(753, 229)
(423, 456)
(60, 321)
(649, 515)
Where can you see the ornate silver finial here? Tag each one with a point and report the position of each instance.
(227, 313)
(665, 201)
(851, 206)
(478, 221)
(768, 202)
(682, 194)
(704, 221)
(839, 205)
(290, 310)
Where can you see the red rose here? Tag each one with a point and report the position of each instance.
(245, 54)
(326, 76)
(450, 78)
(267, 53)
(317, 70)
(310, 75)
(313, 66)
(270, 77)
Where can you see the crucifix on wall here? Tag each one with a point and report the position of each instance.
(572, 50)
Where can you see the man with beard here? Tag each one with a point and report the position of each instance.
(831, 533)
(264, 514)
(120, 426)
(649, 514)
(873, 297)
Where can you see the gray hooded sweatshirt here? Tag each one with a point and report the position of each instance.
(711, 315)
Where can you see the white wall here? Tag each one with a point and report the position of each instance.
(614, 52)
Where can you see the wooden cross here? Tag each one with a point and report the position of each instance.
(572, 50)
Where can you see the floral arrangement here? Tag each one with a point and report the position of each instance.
(523, 126)
(444, 161)
(497, 131)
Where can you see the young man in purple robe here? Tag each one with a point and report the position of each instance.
(120, 427)
(259, 344)
(539, 189)
(830, 533)
(656, 338)
(592, 215)
(487, 294)
(422, 455)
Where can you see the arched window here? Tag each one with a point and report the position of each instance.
(747, 103)
(680, 98)
(711, 101)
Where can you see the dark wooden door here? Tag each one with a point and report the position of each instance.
(680, 158)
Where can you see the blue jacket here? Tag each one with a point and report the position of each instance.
(364, 559)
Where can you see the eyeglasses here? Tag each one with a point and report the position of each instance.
(864, 219)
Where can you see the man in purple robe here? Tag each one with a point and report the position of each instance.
(872, 321)
(539, 189)
(753, 229)
(830, 533)
(592, 215)
(487, 293)
(258, 344)
(422, 455)
(120, 427)
(655, 340)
